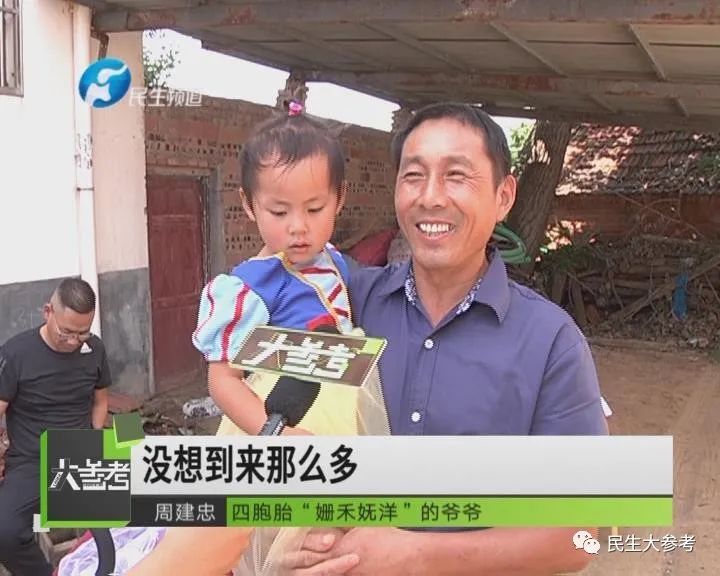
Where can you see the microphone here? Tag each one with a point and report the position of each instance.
(288, 402)
(291, 398)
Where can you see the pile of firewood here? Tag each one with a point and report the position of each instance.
(626, 288)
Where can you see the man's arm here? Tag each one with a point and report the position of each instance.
(492, 552)
(100, 394)
(569, 399)
(8, 380)
(99, 408)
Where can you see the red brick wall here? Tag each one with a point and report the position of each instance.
(194, 139)
(612, 216)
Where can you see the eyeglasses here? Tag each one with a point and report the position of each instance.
(66, 335)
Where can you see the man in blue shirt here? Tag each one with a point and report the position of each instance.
(469, 351)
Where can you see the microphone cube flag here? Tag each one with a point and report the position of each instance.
(350, 400)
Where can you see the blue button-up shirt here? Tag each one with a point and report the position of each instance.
(505, 361)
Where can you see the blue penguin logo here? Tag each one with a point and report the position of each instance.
(104, 82)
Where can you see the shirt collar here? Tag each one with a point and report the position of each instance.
(491, 290)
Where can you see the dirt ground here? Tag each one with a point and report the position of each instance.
(650, 392)
(675, 393)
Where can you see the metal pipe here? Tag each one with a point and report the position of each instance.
(85, 191)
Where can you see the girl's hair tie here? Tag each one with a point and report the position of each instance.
(294, 108)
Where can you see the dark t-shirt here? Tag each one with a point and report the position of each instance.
(47, 389)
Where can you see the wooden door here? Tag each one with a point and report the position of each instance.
(176, 248)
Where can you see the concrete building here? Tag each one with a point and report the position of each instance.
(72, 185)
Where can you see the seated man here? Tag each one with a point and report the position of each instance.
(51, 377)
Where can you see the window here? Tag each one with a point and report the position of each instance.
(10, 48)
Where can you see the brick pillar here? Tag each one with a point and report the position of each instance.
(295, 89)
(399, 249)
(401, 116)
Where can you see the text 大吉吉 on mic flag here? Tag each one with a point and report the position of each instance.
(320, 357)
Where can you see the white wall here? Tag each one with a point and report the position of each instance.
(119, 164)
(38, 214)
(38, 220)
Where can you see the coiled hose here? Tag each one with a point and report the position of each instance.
(511, 246)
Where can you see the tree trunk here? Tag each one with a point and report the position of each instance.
(544, 155)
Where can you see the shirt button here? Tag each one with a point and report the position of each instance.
(428, 344)
(415, 417)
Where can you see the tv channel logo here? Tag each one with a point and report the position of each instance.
(104, 82)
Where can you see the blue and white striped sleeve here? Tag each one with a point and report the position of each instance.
(229, 310)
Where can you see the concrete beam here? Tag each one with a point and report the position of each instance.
(525, 46)
(333, 12)
(644, 46)
(341, 52)
(600, 101)
(415, 44)
(681, 106)
(244, 53)
(96, 5)
(655, 121)
(409, 81)
(382, 92)
(251, 51)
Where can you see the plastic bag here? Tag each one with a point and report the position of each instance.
(338, 411)
(131, 546)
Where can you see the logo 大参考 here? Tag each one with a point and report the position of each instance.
(104, 82)
(92, 475)
(85, 474)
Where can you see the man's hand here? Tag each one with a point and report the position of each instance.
(317, 556)
(395, 552)
(386, 551)
(359, 552)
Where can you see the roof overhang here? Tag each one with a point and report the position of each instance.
(650, 63)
